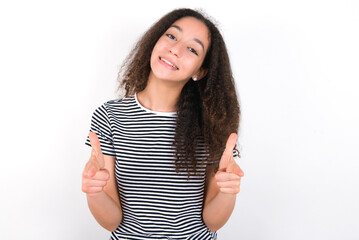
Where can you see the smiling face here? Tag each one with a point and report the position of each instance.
(179, 53)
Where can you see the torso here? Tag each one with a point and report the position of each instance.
(157, 202)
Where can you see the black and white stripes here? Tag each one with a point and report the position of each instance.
(157, 202)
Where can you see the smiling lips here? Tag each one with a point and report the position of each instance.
(168, 63)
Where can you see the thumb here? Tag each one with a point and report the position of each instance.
(92, 166)
(227, 155)
(96, 150)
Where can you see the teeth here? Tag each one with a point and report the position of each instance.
(168, 63)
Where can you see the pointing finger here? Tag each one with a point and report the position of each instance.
(223, 176)
(92, 171)
(102, 174)
(92, 168)
(234, 168)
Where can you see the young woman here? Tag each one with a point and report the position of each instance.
(162, 163)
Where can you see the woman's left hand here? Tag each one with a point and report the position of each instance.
(229, 174)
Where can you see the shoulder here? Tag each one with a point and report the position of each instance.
(114, 102)
(115, 105)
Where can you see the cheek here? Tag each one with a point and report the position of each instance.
(157, 49)
(192, 65)
(155, 52)
(160, 44)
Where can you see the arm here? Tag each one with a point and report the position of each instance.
(221, 189)
(99, 184)
(218, 206)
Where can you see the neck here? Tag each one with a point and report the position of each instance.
(160, 95)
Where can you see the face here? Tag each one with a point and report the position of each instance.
(179, 53)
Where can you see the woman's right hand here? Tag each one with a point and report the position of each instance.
(95, 176)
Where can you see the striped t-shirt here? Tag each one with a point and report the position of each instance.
(157, 202)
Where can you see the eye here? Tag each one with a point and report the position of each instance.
(171, 36)
(193, 50)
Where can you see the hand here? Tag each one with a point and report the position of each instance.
(229, 174)
(95, 176)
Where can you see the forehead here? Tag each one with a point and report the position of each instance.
(194, 28)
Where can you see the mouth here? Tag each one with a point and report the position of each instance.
(169, 63)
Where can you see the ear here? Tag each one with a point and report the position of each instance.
(200, 74)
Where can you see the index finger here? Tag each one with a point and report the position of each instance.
(234, 168)
(95, 143)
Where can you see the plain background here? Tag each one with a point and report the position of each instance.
(296, 69)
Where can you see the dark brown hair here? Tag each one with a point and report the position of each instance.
(207, 110)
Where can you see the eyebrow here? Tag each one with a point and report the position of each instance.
(195, 39)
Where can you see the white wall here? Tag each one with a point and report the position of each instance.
(296, 67)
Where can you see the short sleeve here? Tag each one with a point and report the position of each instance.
(100, 124)
(236, 154)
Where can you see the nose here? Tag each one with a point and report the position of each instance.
(177, 49)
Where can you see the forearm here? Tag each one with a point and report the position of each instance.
(106, 211)
(217, 212)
